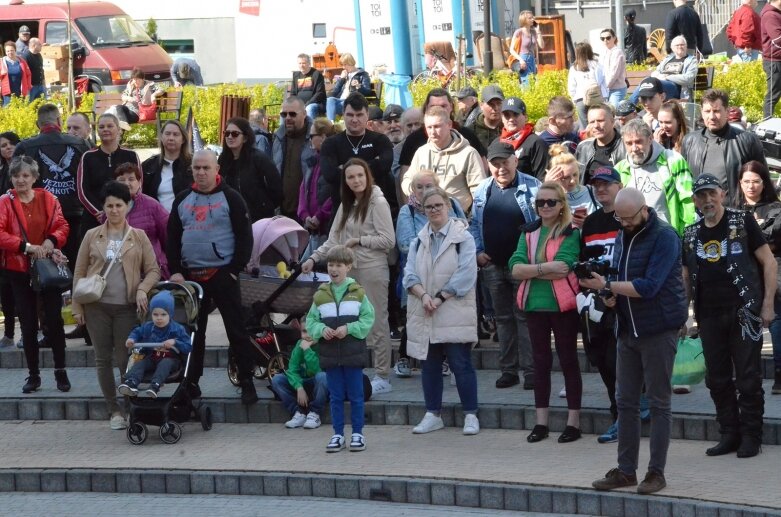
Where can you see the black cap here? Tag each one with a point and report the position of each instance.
(630, 13)
(468, 91)
(24, 29)
(605, 173)
(624, 108)
(649, 87)
(375, 113)
(392, 112)
(706, 182)
(515, 105)
(491, 92)
(499, 149)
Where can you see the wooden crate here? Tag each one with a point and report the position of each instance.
(55, 51)
(55, 64)
(55, 76)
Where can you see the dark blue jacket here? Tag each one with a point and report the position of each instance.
(651, 260)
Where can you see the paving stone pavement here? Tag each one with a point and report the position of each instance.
(498, 456)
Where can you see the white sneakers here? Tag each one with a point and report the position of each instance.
(471, 424)
(563, 392)
(380, 386)
(308, 421)
(117, 422)
(336, 444)
(430, 423)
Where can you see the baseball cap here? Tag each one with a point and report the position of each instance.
(392, 112)
(375, 113)
(706, 182)
(499, 149)
(649, 87)
(624, 108)
(491, 92)
(515, 105)
(468, 91)
(605, 173)
(24, 29)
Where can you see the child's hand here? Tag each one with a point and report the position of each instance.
(169, 344)
(341, 332)
(306, 344)
(329, 333)
(302, 398)
(129, 343)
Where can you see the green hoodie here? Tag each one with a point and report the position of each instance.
(304, 364)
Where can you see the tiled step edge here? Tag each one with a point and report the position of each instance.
(492, 416)
(486, 495)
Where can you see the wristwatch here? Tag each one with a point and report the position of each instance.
(439, 295)
(607, 285)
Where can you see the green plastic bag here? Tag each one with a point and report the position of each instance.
(689, 367)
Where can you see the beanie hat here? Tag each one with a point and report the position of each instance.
(163, 300)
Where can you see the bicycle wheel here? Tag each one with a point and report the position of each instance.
(423, 76)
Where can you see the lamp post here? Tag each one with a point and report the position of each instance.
(488, 54)
(71, 92)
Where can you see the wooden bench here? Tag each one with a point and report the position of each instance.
(169, 107)
(635, 77)
(702, 82)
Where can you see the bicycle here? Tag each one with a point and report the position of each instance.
(440, 65)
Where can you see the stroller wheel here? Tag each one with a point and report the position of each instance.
(260, 372)
(277, 364)
(233, 371)
(137, 433)
(205, 414)
(170, 432)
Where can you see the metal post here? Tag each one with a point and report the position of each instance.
(488, 54)
(71, 92)
(619, 23)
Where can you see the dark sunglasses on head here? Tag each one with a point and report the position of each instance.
(232, 134)
(539, 203)
(286, 114)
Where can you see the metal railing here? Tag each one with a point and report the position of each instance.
(715, 14)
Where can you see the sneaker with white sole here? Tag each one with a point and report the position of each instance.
(357, 442)
(312, 420)
(336, 444)
(117, 422)
(380, 386)
(471, 424)
(563, 392)
(609, 436)
(402, 369)
(430, 423)
(297, 421)
(445, 368)
(128, 389)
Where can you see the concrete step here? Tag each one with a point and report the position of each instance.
(484, 357)
(512, 408)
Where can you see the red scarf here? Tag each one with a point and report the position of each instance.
(51, 128)
(516, 138)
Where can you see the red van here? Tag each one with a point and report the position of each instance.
(107, 43)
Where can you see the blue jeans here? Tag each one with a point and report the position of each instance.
(747, 57)
(7, 99)
(671, 91)
(460, 359)
(616, 96)
(162, 369)
(648, 360)
(775, 335)
(344, 380)
(313, 110)
(531, 68)
(333, 107)
(37, 91)
(316, 389)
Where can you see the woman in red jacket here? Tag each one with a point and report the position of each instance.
(32, 226)
(15, 78)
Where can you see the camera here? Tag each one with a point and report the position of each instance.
(599, 266)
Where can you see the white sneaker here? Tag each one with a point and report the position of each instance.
(445, 368)
(297, 421)
(312, 420)
(430, 423)
(380, 386)
(336, 444)
(402, 369)
(563, 392)
(117, 422)
(471, 424)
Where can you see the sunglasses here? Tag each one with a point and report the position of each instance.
(232, 134)
(606, 38)
(550, 203)
(288, 114)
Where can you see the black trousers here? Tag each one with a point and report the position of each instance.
(27, 311)
(773, 93)
(726, 350)
(71, 248)
(222, 291)
(599, 342)
(9, 306)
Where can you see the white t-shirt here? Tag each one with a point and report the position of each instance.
(650, 184)
(165, 192)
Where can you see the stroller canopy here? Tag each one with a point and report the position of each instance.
(276, 239)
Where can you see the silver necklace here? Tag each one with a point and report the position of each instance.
(356, 148)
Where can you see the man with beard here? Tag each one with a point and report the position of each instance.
(531, 150)
(650, 305)
(392, 119)
(605, 147)
(289, 143)
(730, 273)
(468, 107)
(661, 175)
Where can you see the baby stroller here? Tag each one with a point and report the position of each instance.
(169, 412)
(269, 286)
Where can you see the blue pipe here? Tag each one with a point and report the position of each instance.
(400, 34)
(358, 32)
(421, 33)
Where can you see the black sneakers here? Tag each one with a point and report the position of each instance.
(33, 384)
(63, 384)
(507, 380)
(248, 393)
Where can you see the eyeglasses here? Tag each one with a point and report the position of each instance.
(627, 219)
(550, 203)
(434, 208)
(288, 114)
(232, 134)
(605, 38)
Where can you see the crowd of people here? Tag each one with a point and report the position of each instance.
(429, 221)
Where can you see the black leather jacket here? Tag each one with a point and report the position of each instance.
(587, 149)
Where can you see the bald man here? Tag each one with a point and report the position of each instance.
(210, 242)
(651, 307)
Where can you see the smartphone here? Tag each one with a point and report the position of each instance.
(581, 211)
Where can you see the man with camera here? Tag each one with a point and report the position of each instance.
(727, 253)
(651, 308)
(598, 235)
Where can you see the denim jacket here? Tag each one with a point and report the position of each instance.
(526, 191)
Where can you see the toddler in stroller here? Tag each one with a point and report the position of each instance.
(164, 359)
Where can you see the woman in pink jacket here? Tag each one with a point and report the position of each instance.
(314, 211)
(613, 64)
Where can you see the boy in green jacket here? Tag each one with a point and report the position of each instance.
(302, 388)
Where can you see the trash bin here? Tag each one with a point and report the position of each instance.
(396, 90)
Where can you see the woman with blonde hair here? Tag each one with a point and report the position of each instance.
(542, 262)
(352, 79)
(523, 47)
(565, 171)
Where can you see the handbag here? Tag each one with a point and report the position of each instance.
(45, 274)
(147, 112)
(90, 288)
